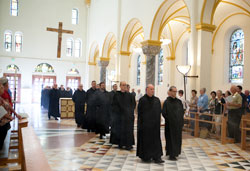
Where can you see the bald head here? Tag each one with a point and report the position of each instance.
(233, 89)
(150, 90)
(123, 86)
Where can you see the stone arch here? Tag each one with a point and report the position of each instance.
(93, 53)
(108, 45)
(169, 10)
(132, 30)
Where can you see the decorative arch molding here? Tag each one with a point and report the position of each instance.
(168, 10)
(12, 68)
(44, 68)
(221, 24)
(210, 6)
(108, 45)
(132, 30)
(93, 53)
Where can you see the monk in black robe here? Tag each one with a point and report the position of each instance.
(45, 97)
(54, 96)
(91, 110)
(103, 105)
(149, 123)
(122, 130)
(111, 96)
(62, 92)
(79, 98)
(173, 113)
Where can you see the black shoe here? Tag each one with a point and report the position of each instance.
(159, 161)
(56, 118)
(78, 125)
(129, 148)
(101, 137)
(88, 130)
(172, 158)
(120, 147)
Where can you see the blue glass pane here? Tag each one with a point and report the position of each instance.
(236, 56)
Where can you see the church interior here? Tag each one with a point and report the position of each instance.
(140, 42)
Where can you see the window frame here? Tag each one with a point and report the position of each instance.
(76, 19)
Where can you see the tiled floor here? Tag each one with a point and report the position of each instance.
(69, 149)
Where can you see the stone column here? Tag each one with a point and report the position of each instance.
(103, 65)
(150, 50)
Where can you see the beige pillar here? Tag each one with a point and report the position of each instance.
(204, 55)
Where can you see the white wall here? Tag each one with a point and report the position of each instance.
(39, 45)
(220, 58)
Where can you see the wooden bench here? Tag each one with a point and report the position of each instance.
(5, 153)
(244, 128)
(33, 155)
(224, 139)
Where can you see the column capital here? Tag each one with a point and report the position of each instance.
(151, 43)
(125, 53)
(205, 27)
(92, 63)
(88, 2)
(103, 63)
(104, 59)
(151, 50)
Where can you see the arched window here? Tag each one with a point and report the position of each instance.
(14, 7)
(138, 69)
(18, 42)
(44, 68)
(78, 45)
(8, 41)
(160, 67)
(69, 47)
(75, 16)
(12, 68)
(73, 71)
(236, 64)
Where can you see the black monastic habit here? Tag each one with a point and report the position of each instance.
(54, 96)
(148, 123)
(79, 98)
(91, 110)
(102, 105)
(173, 113)
(122, 129)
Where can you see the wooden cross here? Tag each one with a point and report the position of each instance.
(60, 31)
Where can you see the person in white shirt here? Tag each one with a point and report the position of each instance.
(138, 95)
(181, 97)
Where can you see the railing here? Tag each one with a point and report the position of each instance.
(223, 136)
(244, 120)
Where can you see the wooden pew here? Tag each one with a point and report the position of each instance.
(244, 128)
(5, 158)
(224, 139)
(33, 156)
(4, 153)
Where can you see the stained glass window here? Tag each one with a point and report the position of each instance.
(44, 68)
(160, 67)
(8, 41)
(77, 48)
(236, 65)
(12, 67)
(14, 7)
(69, 47)
(138, 68)
(18, 42)
(74, 16)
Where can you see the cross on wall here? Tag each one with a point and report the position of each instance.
(60, 31)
